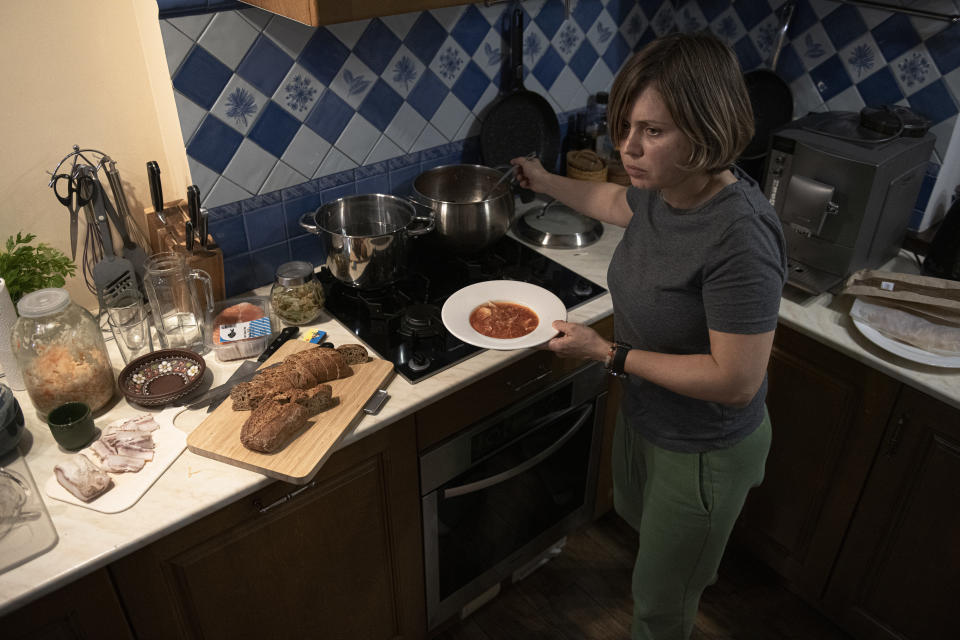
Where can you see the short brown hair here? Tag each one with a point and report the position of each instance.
(700, 80)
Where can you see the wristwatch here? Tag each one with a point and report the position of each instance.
(617, 358)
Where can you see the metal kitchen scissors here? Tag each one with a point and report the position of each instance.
(79, 191)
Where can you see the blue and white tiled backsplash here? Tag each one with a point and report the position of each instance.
(279, 118)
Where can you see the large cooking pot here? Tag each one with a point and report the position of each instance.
(365, 237)
(471, 210)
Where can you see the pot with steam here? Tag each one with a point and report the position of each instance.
(471, 207)
(366, 237)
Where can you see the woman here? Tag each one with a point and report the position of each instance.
(696, 284)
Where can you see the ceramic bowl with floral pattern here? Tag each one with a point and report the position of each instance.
(161, 377)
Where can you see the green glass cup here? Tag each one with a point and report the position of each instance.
(71, 425)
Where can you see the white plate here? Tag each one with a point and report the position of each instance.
(548, 307)
(903, 349)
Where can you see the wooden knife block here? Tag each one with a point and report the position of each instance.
(172, 237)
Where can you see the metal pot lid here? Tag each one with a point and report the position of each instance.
(557, 226)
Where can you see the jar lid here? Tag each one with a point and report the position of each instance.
(43, 302)
(291, 274)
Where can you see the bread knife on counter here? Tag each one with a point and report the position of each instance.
(244, 372)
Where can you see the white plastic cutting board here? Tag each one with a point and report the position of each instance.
(128, 488)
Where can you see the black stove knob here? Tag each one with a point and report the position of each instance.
(418, 361)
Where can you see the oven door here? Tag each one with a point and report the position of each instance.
(505, 490)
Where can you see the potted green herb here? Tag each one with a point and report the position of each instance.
(26, 268)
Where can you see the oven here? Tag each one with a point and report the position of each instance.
(502, 491)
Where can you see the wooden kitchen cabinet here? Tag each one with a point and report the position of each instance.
(85, 608)
(898, 574)
(319, 12)
(828, 413)
(340, 557)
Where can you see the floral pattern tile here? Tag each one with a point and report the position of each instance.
(403, 71)
(914, 70)
(239, 104)
(567, 39)
(298, 92)
(449, 62)
(814, 46)
(862, 58)
(354, 81)
(728, 27)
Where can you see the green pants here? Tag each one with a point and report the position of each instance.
(683, 506)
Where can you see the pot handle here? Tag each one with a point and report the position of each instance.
(309, 222)
(428, 220)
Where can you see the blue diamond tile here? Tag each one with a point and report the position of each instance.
(934, 101)
(329, 116)
(751, 13)
(549, 67)
(202, 77)
(844, 25)
(380, 105)
(374, 184)
(802, 19)
(335, 193)
(401, 180)
(308, 248)
(324, 55)
(377, 46)
(265, 65)
(550, 18)
(710, 8)
(650, 7)
(619, 9)
(264, 226)
(274, 129)
(214, 144)
(830, 77)
(747, 53)
(470, 29)
(789, 65)
(895, 36)
(617, 52)
(428, 94)
(880, 88)
(230, 235)
(944, 48)
(585, 13)
(470, 85)
(425, 37)
(583, 60)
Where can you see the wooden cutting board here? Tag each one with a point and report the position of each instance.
(218, 436)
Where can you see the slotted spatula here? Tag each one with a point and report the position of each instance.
(112, 276)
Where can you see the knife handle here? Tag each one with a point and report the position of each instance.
(156, 189)
(193, 205)
(286, 334)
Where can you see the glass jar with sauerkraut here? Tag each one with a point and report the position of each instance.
(296, 295)
(61, 352)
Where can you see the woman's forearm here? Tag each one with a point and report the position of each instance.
(604, 201)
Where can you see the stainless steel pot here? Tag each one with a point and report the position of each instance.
(365, 237)
(470, 213)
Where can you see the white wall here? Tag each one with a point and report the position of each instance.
(86, 73)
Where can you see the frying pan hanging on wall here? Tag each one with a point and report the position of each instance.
(770, 96)
(519, 121)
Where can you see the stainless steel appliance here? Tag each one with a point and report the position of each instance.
(844, 185)
(499, 493)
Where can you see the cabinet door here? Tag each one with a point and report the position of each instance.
(828, 413)
(337, 558)
(898, 575)
(85, 608)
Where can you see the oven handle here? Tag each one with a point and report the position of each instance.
(503, 476)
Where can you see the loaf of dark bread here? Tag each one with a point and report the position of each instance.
(302, 370)
(353, 353)
(315, 399)
(272, 424)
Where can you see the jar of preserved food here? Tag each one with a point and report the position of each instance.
(61, 352)
(296, 295)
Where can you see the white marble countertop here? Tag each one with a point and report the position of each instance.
(195, 486)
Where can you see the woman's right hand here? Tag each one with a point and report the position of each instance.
(531, 174)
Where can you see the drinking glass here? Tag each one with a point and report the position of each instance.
(129, 320)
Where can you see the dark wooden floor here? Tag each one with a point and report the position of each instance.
(584, 594)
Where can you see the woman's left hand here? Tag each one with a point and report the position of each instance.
(578, 341)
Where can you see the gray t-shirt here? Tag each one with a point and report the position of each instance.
(679, 272)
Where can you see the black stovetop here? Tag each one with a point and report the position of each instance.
(402, 322)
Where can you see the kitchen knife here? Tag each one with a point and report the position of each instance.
(244, 372)
(202, 227)
(156, 189)
(193, 205)
(188, 236)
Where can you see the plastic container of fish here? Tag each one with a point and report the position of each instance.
(241, 327)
